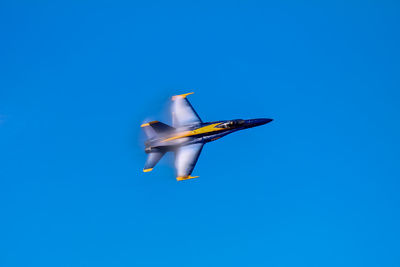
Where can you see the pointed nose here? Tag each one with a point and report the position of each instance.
(257, 122)
(263, 121)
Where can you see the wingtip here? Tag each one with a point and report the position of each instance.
(148, 124)
(182, 178)
(181, 96)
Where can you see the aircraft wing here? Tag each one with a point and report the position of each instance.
(185, 160)
(182, 112)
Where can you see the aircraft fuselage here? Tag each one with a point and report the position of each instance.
(200, 133)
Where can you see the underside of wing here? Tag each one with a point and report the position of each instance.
(185, 160)
(182, 111)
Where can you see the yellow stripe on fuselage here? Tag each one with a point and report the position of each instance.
(202, 130)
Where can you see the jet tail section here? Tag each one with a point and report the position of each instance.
(155, 128)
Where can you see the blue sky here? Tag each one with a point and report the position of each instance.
(316, 187)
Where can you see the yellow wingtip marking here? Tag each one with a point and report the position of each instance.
(148, 124)
(181, 96)
(147, 170)
(182, 178)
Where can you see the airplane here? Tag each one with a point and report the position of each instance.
(187, 136)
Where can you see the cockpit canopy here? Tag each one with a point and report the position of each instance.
(231, 124)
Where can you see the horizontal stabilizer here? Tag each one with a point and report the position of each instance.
(152, 159)
(157, 127)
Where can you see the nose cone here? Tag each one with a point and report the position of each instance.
(257, 122)
(262, 121)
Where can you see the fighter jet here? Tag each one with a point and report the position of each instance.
(187, 136)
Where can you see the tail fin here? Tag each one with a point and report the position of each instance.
(154, 128)
(152, 159)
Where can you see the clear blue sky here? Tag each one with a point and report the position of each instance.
(319, 186)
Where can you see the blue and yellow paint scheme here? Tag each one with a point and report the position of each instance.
(187, 136)
(205, 132)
